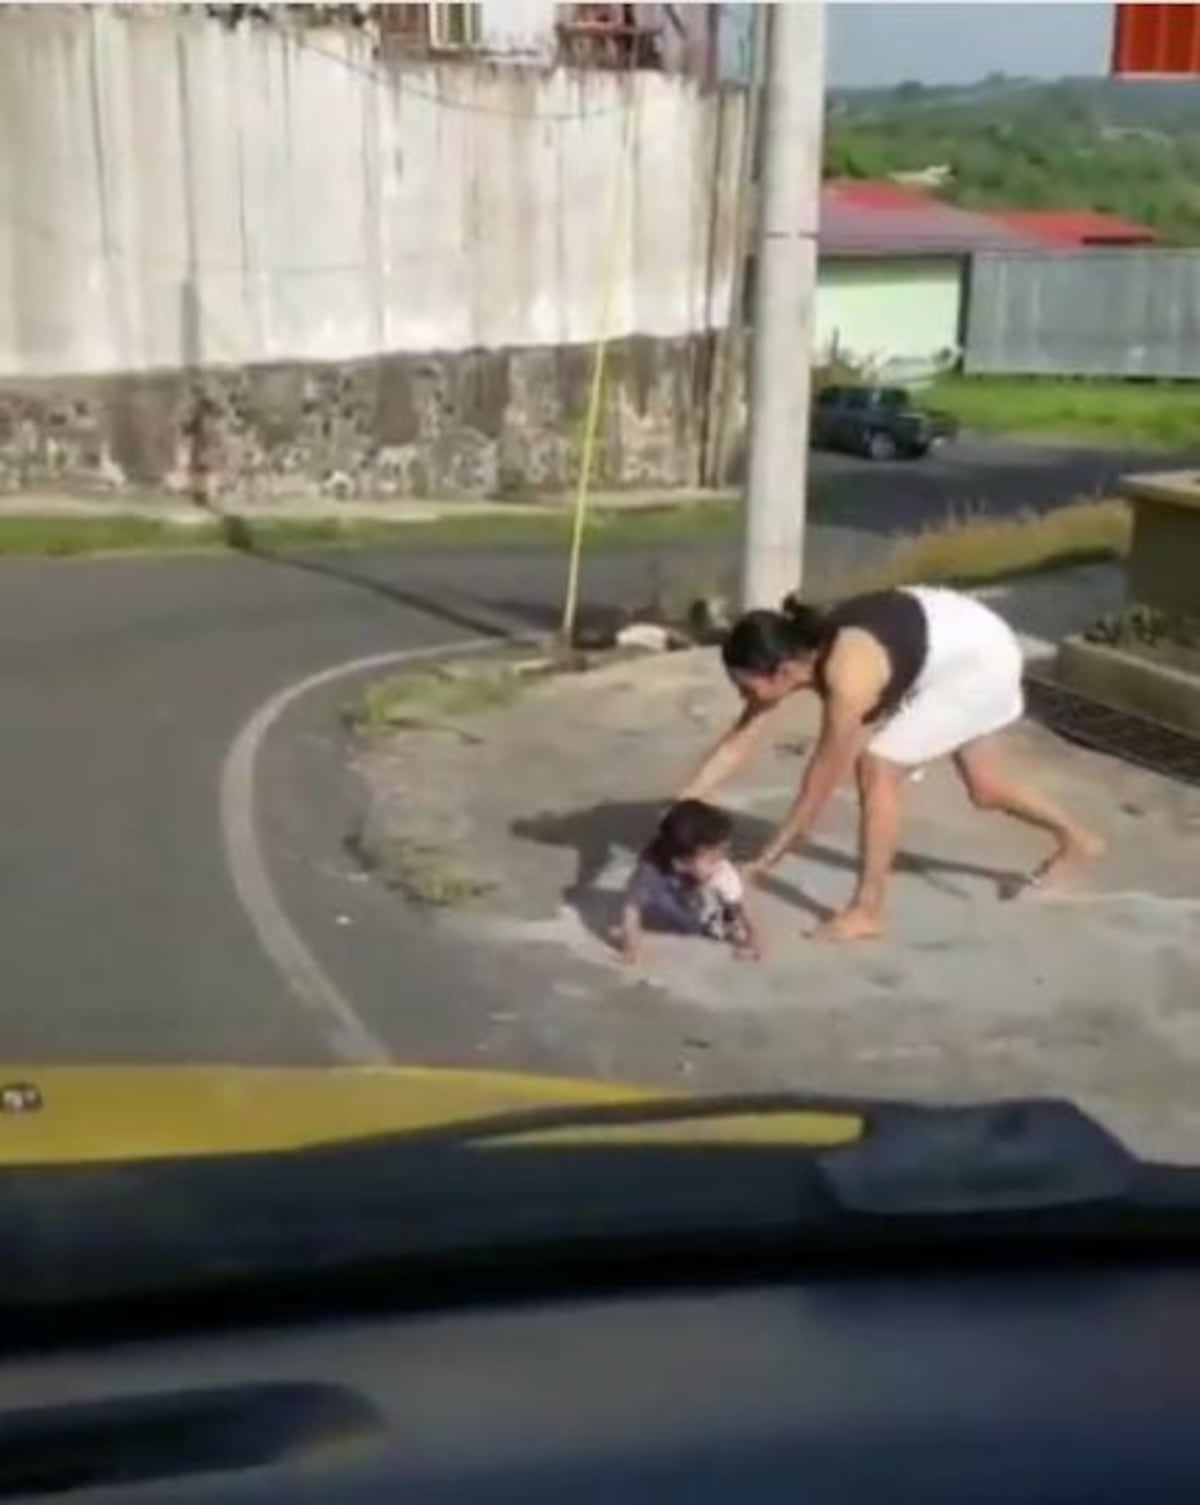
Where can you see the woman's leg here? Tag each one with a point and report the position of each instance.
(879, 785)
(980, 769)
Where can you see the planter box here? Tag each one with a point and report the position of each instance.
(1130, 682)
(1164, 561)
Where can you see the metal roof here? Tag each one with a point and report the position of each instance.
(1076, 227)
(888, 219)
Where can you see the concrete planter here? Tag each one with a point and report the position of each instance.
(1131, 682)
(1164, 562)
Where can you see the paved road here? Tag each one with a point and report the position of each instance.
(122, 684)
(973, 475)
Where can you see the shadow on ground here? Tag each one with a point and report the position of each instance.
(476, 612)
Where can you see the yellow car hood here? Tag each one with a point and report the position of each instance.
(68, 1115)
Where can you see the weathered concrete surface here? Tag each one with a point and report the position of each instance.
(1132, 681)
(478, 423)
(1092, 993)
(1166, 541)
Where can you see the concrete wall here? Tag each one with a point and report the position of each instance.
(520, 28)
(896, 315)
(276, 210)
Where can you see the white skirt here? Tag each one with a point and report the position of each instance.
(971, 684)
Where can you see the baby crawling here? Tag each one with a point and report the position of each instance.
(686, 884)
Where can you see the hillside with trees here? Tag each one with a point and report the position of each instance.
(1127, 147)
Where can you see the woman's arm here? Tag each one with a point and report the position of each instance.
(852, 692)
(724, 760)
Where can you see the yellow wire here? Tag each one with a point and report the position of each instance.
(592, 420)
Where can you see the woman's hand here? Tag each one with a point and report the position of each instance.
(773, 853)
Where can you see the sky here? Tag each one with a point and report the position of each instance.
(873, 44)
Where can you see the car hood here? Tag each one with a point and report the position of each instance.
(63, 1115)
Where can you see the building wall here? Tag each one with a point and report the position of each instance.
(520, 29)
(898, 315)
(1131, 312)
(191, 213)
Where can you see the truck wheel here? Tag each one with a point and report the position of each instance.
(881, 446)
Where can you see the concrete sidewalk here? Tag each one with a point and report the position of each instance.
(541, 805)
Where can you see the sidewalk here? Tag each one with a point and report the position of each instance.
(529, 815)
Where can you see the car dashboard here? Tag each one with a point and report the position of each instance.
(982, 1387)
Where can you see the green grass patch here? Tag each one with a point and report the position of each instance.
(421, 872)
(63, 535)
(1172, 637)
(1150, 414)
(433, 700)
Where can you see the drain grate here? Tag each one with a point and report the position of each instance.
(1104, 729)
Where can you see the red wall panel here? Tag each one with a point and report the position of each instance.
(1156, 39)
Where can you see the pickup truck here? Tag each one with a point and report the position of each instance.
(882, 423)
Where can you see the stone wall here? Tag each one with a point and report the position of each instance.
(480, 423)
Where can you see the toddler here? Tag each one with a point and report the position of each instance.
(686, 884)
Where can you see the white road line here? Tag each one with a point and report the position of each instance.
(350, 1039)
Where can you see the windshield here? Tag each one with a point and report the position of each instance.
(446, 675)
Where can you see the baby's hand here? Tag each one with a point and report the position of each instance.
(748, 947)
(624, 945)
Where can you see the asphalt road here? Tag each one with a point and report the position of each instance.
(971, 476)
(123, 684)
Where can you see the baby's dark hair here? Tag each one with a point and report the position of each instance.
(689, 827)
(761, 642)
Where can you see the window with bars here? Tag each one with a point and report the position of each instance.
(431, 27)
(455, 27)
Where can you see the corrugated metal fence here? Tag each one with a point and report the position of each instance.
(1114, 312)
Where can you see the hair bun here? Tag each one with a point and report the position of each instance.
(810, 618)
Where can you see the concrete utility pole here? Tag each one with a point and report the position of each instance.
(784, 297)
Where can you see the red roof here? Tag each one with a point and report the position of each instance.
(889, 219)
(1076, 227)
(865, 194)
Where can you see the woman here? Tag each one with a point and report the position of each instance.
(904, 676)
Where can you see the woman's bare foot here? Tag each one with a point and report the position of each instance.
(1070, 855)
(853, 924)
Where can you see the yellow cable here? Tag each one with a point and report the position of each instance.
(592, 420)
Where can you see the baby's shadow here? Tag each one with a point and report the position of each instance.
(611, 832)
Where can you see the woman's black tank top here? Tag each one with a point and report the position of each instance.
(897, 622)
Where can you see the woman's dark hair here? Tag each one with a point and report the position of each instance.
(690, 826)
(760, 642)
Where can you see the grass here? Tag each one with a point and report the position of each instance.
(1137, 414)
(420, 872)
(61, 536)
(433, 700)
(978, 550)
(972, 551)
(1169, 637)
